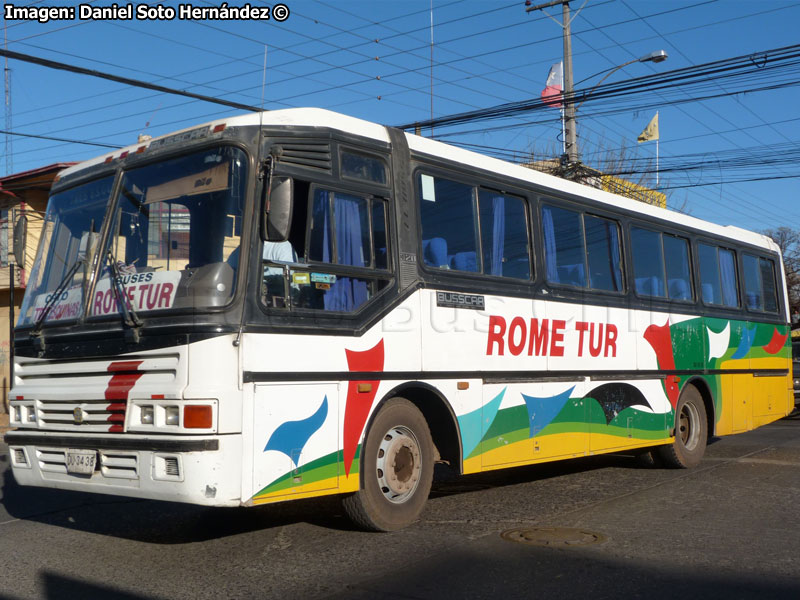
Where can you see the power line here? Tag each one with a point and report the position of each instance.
(741, 66)
(57, 139)
(124, 80)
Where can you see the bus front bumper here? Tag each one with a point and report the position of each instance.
(195, 470)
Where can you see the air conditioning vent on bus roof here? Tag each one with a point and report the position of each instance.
(313, 155)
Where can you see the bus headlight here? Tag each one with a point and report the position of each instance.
(171, 415)
(146, 414)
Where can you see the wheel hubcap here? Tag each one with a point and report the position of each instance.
(399, 464)
(688, 426)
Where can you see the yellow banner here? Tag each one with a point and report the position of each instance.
(616, 185)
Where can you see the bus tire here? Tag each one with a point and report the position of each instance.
(396, 469)
(691, 432)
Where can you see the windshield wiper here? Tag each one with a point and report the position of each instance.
(36, 332)
(129, 316)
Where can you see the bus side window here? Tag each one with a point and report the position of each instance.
(581, 250)
(759, 283)
(603, 253)
(648, 262)
(504, 235)
(341, 229)
(679, 272)
(718, 275)
(565, 256)
(449, 224)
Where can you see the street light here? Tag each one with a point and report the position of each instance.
(568, 116)
(571, 108)
(655, 56)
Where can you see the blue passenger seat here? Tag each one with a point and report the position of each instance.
(464, 261)
(679, 289)
(434, 252)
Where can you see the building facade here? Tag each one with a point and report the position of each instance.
(23, 196)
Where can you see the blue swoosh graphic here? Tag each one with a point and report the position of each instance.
(294, 435)
(475, 424)
(543, 410)
(748, 335)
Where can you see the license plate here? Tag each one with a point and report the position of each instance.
(81, 461)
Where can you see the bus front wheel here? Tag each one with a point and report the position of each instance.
(397, 469)
(691, 432)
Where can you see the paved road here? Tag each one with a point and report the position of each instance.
(727, 529)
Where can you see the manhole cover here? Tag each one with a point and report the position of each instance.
(554, 537)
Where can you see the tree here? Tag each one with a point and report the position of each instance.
(788, 241)
(622, 163)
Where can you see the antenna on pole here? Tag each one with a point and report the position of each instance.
(264, 78)
(431, 68)
(7, 80)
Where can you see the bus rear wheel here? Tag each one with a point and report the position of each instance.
(396, 469)
(691, 432)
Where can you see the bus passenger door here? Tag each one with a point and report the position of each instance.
(296, 439)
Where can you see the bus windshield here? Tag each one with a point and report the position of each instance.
(173, 240)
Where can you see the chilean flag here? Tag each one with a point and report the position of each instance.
(551, 94)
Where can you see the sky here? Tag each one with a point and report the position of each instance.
(374, 60)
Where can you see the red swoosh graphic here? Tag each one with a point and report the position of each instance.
(658, 336)
(120, 385)
(359, 404)
(776, 343)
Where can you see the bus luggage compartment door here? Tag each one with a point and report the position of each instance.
(296, 439)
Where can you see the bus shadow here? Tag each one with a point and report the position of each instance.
(168, 523)
(160, 522)
(447, 482)
(792, 416)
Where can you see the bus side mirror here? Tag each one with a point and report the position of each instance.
(278, 210)
(20, 240)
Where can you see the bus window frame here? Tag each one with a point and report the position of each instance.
(297, 315)
(529, 229)
(477, 184)
(740, 306)
(341, 148)
(775, 279)
(370, 197)
(694, 274)
(584, 208)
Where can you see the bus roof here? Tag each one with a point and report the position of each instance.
(325, 119)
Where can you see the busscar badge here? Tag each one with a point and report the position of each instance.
(78, 415)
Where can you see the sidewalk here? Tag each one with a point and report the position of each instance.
(3, 422)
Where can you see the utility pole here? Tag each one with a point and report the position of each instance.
(570, 133)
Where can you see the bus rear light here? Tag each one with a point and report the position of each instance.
(197, 416)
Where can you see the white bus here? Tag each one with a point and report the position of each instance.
(298, 303)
